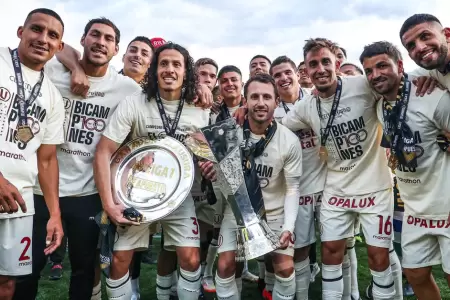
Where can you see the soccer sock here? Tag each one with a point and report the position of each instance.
(189, 285)
(383, 284)
(226, 289)
(119, 289)
(354, 267)
(332, 283)
(210, 258)
(270, 281)
(346, 278)
(245, 266)
(284, 288)
(396, 273)
(135, 286)
(163, 287)
(239, 286)
(202, 269)
(312, 253)
(302, 279)
(97, 292)
(262, 267)
(174, 287)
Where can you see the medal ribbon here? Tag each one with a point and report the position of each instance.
(22, 101)
(324, 133)
(170, 130)
(397, 132)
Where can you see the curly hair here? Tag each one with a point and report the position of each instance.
(189, 84)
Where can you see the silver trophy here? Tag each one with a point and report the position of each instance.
(154, 176)
(220, 143)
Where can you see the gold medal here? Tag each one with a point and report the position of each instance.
(24, 134)
(323, 153)
(393, 162)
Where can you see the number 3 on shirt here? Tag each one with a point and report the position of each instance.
(26, 241)
(194, 221)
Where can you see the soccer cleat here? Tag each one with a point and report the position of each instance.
(315, 270)
(56, 272)
(358, 238)
(208, 284)
(266, 295)
(249, 277)
(147, 257)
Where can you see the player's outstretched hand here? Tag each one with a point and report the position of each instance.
(10, 198)
(207, 170)
(240, 115)
(426, 84)
(204, 97)
(54, 235)
(285, 238)
(115, 214)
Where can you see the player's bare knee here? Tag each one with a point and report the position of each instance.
(7, 284)
(301, 254)
(378, 258)
(333, 252)
(283, 265)
(121, 261)
(418, 276)
(189, 258)
(226, 264)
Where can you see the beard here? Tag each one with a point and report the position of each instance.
(440, 62)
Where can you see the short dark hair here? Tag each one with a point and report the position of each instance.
(260, 56)
(263, 78)
(343, 51)
(416, 20)
(44, 11)
(104, 21)
(301, 64)
(319, 43)
(142, 39)
(379, 48)
(206, 61)
(281, 60)
(151, 88)
(228, 69)
(354, 65)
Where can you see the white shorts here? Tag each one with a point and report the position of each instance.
(16, 246)
(425, 243)
(180, 228)
(357, 225)
(210, 214)
(228, 232)
(305, 231)
(338, 213)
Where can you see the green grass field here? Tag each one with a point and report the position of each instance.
(58, 290)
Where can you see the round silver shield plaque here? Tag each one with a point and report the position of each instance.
(153, 176)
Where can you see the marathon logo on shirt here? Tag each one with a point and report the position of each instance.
(307, 138)
(85, 120)
(419, 153)
(424, 223)
(348, 137)
(352, 203)
(35, 114)
(264, 173)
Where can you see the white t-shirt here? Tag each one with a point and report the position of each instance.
(141, 117)
(282, 158)
(356, 163)
(85, 120)
(18, 161)
(425, 190)
(314, 169)
(443, 79)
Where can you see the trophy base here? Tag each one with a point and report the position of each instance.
(256, 240)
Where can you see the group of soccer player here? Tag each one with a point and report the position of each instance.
(326, 139)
